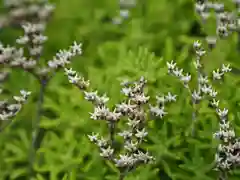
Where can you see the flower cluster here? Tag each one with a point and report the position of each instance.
(14, 57)
(226, 22)
(135, 109)
(63, 57)
(33, 17)
(228, 152)
(159, 109)
(20, 11)
(203, 8)
(9, 109)
(204, 89)
(203, 86)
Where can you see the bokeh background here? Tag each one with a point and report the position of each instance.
(155, 32)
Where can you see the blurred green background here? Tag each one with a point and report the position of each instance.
(157, 31)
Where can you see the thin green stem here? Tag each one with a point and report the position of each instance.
(36, 126)
(123, 174)
(111, 127)
(223, 175)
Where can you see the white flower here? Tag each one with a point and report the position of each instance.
(196, 95)
(102, 142)
(197, 64)
(156, 111)
(133, 123)
(143, 157)
(53, 64)
(100, 100)
(125, 134)
(203, 79)
(141, 134)
(125, 108)
(200, 53)
(206, 89)
(126, 91)
(213, 93)
(74, 79)
(217, 75)
(170, 97)
(39, 39)
(226, 68)
(222, 113)
(25, 93)
(22, 40)
(171, 65)
(197, 44)
(69, 71)
(99, 113)
(124, 13)
(4, 116)
(160, 99)
(130, 146)
(178, 72)
(186, 78)
(76, 48)
(90, 96)
(19, 99)
(215, 103)
(141, 98)
(124, 160)
(106, 153)
(93, 137)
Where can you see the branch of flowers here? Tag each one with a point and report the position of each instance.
(199, 67)
(14, 57)
(9, 110)
(203, 87)
(227, 156)
(21, 11)
(226, 22)
(33, 40)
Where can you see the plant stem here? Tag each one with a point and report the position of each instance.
(223, 175)
(111, 127)
(123, 173)
(36, 126)
(122, 176)
(143, 8)
(194, 114)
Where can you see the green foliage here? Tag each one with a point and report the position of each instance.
(141, 46)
